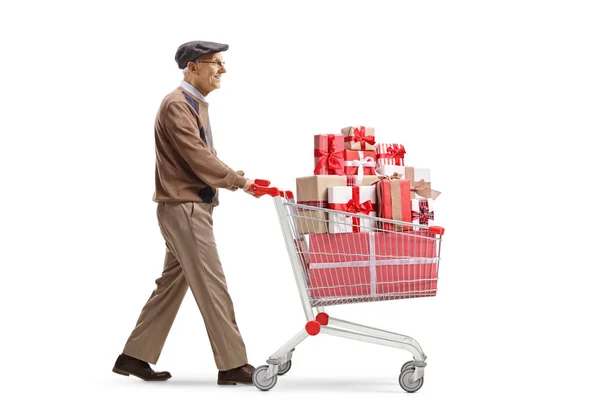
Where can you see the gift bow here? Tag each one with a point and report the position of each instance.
(353, 206)
(361, 136)
(395, 175)
(396, 152)
(423, 215)
(331, 158)
(424, 189)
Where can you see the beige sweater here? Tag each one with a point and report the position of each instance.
(187, 168)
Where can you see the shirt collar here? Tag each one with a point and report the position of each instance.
(190, 88)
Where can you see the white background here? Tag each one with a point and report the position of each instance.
(500, 99)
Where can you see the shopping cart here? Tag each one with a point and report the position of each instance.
(347, 257)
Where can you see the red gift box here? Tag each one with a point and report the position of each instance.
(393, 202)
(372, 263)
(360, 163)
(329, 154)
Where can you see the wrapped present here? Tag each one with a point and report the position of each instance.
(312, 191)
(329, 154)
(372, 263)
(359, 163)
(356, 200)
(422, 211)
(359, 138)
(389, 154)
(415, 176)
(393, 201)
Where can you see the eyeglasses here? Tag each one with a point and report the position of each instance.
(219, 64)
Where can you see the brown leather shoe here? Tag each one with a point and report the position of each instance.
(242, 375)
(126, 365)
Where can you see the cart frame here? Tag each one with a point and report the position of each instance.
(279, 363)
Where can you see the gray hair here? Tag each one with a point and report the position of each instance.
(185, 71)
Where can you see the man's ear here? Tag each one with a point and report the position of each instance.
(192, 66)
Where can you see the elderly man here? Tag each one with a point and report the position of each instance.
(188, 174)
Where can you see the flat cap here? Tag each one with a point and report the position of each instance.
(191, 51)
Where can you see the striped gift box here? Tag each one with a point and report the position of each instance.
(389, 154)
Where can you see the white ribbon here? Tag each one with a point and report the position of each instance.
(361, 163)
(372, 263)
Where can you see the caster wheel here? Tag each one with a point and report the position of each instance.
(284, 368)
(408, 364)
(405, 382)
(260, 382)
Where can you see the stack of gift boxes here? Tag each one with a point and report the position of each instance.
(355, 174)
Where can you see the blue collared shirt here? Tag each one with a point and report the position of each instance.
(190, 88)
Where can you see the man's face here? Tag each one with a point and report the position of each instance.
(207, 73)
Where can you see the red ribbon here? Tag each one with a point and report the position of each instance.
(396, 152)
(360, 136)
(350, 180)
(332, 157)
(355, 207)
(423, 215)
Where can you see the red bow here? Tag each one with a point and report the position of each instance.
(423, 215)
(332, 157)
(360, 136)
(355, 207)
(396, 152)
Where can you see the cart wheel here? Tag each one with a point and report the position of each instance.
(260, 382)
(405, 382)
(408, 364)
(284, 368)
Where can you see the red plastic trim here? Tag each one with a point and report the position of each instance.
(436, 230)
(322, 318)
(261, 187)
(261, 190)
(313, 328)
(262, 182)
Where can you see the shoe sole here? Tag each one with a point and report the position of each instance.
(121, 372)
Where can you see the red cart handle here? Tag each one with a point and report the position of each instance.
(262, 182)
(261, 187)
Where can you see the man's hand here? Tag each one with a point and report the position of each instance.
(234, 188)
(249, 183)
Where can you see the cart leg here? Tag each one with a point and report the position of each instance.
(284, 354)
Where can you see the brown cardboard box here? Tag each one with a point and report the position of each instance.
(312, 191)
(363, 133)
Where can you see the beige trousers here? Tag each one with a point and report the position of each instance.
(191, 260)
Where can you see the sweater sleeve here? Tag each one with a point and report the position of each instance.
(182, 131)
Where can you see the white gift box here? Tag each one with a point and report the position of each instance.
(353, 199)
